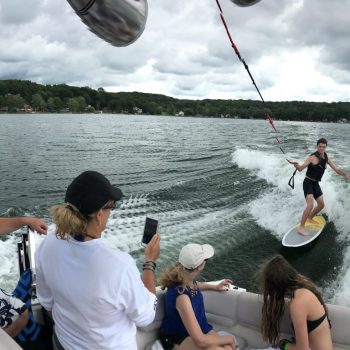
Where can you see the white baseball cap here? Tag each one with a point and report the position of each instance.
(192, 255)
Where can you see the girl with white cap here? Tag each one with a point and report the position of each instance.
(185, 326)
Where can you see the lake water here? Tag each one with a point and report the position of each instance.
(216, 181)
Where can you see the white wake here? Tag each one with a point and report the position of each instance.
(286, 205)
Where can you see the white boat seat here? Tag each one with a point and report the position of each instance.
(239, 313)
(7, 343)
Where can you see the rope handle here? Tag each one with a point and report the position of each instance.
(291, 180)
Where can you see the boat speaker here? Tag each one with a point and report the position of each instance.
(245, 3)
(119, 22)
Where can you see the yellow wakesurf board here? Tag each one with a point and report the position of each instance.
(294, 239)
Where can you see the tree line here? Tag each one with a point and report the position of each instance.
(14, 94)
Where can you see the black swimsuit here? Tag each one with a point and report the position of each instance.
(311, 325)
(316, 171)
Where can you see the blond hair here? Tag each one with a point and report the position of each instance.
(68, 221)
(175, 275)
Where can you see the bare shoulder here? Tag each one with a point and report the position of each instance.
(303, 293)
(307, 161)
(329, 160)
(183, 300)
(302, 297)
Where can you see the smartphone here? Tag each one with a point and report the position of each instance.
(151, 226)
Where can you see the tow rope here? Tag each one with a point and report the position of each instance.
(267, 115)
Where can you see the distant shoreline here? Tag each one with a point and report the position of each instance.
(150, 115)
(22, 96)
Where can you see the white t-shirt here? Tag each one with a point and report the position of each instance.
(95, 293)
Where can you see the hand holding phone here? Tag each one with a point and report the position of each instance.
(151, 226)
(152, 250)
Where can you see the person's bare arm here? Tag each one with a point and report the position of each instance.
(17, 326)
(185, 310)
(8, 225)
(297, 309)
(302, 166)
(338, 170)
(152, 253)
(223, 286)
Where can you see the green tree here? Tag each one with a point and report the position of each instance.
(54, 104)
(14, 102)
(81, 103)
(38, 102)
(13, 93)
(101, 99)
(90, 109)
(2, 102)
(73, 105)
(114, 105)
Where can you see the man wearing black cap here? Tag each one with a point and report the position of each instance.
(95, 294)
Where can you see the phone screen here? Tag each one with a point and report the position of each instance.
(150, 230)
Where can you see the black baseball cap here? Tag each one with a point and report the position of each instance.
(90, 191)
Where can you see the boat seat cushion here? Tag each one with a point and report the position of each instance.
(340, 321)
(239, 313)
(155, 325)
(6, 342)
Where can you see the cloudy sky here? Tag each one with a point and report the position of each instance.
(296, 49)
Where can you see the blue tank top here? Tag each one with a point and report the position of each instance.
(172, 323)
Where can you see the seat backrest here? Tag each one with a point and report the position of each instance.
(230, 308)
(221, 308)
(148, 334)
(340, 321)
(155, 325)
(6, 342)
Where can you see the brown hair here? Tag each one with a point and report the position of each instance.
(175, 275)
(279, 280)
(322, 140)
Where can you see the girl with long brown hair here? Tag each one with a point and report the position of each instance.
(281, 284)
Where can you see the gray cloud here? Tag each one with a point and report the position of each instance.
(291, 46)
(326, 26)
(17, 12)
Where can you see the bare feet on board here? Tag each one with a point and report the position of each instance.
(311, 221)
(302, 231)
